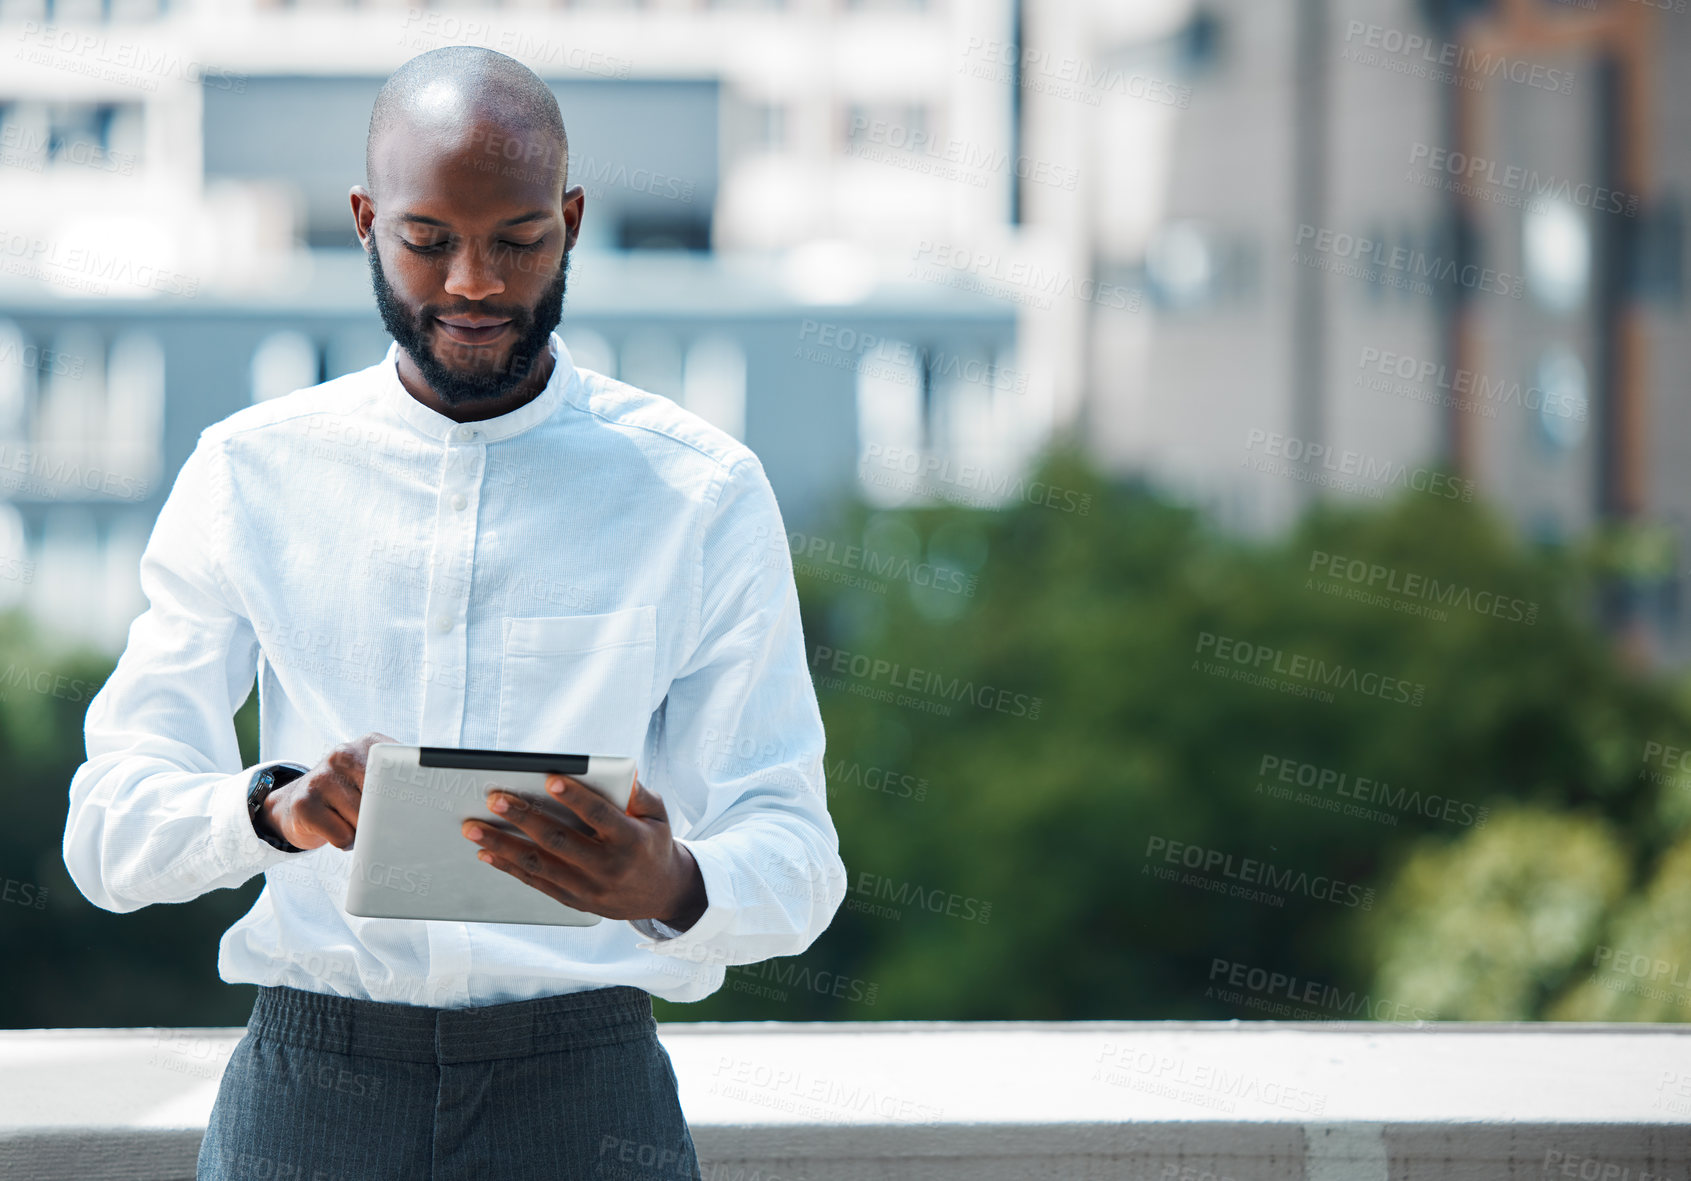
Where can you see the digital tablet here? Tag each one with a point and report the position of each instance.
(410, 858)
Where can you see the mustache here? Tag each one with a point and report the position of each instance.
(490, 310)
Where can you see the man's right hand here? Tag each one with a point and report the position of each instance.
(321, 806)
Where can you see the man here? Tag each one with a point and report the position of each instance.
(476, 544)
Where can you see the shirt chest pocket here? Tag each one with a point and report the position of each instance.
(578, 684)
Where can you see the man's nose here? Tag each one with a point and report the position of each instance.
(474, 274)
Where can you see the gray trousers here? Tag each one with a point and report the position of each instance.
(330, 1088)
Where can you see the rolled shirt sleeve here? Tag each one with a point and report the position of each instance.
(741, 754)
(158, 811)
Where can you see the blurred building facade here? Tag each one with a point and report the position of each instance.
(1257, 252)
(1395, 235)
(178, 243)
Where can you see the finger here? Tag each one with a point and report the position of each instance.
(536, 818)
(316, 816)
(596, 812)
(550, 888)
(523, 853)
(339, 794)
(512, 846)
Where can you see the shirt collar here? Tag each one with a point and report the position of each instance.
(438, 426)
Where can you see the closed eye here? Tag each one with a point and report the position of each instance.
(437, 247)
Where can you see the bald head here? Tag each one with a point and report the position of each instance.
(460, 87)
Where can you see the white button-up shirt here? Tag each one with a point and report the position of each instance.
(597, 571)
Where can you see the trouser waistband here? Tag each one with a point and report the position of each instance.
(420, 1033)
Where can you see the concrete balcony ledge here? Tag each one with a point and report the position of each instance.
(1162, 1101)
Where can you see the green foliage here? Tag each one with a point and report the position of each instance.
(1062, 821)
(1640, 970)
(1030, 709)
(73, 963)
(1490, 928)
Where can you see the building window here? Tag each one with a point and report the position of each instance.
(17, 570)
(1564, 411)
(282, 363)
(651, 360)
(19, 363)
(1180, 265)
(71, 409)
(769, 126)
(1556, 251)
(890, 426)
(589, 350)
(134, 419)
(104, 137)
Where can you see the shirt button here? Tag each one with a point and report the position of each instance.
(459, 500)
(466, 432)
(443, 624)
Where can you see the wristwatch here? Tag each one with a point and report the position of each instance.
(266, 777)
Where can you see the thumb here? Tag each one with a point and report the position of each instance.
(646, 805)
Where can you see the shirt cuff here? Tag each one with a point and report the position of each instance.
(235, 845)
(719, 909)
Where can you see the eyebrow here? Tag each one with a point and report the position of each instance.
(532, 215)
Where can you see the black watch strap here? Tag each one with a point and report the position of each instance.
(266, 778)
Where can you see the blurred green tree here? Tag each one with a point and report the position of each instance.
(1036, 718)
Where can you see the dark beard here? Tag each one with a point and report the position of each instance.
(454, 387)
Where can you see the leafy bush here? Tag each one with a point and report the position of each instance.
(1459, 830)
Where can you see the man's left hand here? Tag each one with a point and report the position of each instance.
(619, 865)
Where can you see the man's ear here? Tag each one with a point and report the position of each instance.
(363, 214)
(575, 202)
